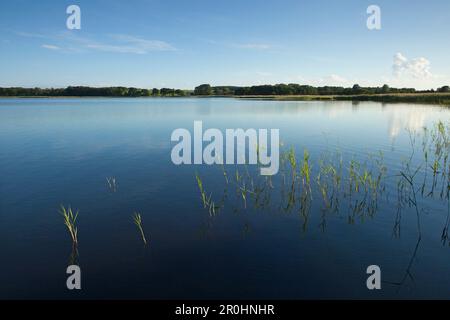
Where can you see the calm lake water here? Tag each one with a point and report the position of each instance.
(60, 151)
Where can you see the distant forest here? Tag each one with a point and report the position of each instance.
(297, 89)
(81, 91)
(208, 90)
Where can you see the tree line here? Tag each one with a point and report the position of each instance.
(296, 89)
(81, 91)
(208, 90)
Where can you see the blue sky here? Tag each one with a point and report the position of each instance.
(149, 43)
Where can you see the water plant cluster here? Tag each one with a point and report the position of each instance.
(349, 185)
(328, 184)
(71, 222)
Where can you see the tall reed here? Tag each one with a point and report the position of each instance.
(70, 221)
(138, 222)
(202, 190)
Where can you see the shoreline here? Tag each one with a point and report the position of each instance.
(420, 98)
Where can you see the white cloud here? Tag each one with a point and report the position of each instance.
(50, 47)
(414, 73)
(418, 68)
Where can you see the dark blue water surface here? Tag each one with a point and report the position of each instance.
(60, 151)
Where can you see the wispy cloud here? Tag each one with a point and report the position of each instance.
(150, 45)
(131, 44)
(263, 73)
(255, 46)
(335, 79)
(31, 35)
(118, 43)
(246, 45)
(329, 80)
(50, 47)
